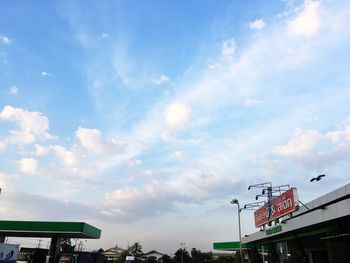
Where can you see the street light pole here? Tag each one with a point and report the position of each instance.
(235, 201)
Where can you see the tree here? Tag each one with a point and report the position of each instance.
(135, 249)
(182, 253)
(66, 245)
(165, 259)
(207, 257)
(151, 260)
(122, 257)
(225, 259)
(199, 257)
(196, 255)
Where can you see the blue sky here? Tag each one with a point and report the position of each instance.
(144, 118)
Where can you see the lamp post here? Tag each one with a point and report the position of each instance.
(235, 202)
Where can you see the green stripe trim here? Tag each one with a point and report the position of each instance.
(299, 235)
(229, 246)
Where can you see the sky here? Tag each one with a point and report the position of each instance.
(145, 118)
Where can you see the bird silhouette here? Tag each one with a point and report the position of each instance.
(318, 178)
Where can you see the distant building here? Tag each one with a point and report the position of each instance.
(112, 254)
(153, 253)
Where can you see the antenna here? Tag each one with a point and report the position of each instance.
(262, 185)
(253, 206)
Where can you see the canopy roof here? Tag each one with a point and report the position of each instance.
(48, 229)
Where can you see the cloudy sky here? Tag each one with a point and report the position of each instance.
(144, 118)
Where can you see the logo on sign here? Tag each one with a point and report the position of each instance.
(9, 255)
(282, 205)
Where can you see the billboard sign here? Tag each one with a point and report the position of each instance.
(8, 253)
(282, 205)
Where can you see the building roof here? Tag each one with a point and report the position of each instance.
(49, 229)
(110, 252)
(152, 252)
(114, 251)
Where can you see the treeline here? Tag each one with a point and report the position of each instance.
(182, 255)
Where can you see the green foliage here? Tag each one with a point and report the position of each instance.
(165, 259)
(122, 257)
(224, 259)
(151, 260)
(182, 252)
(199, 257)
(135, 249)
(66, 245)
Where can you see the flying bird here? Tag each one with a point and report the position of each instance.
(318, 178)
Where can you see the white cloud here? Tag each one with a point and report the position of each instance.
(33, 125)
(299, 144)
(104, 35)
(92, 140)
(312, 148)
(83, 38)
(251, 102)
(161, 80)
(313, 151)
(157, 198)
(167, 137)
(2, 146)
(257, 24)
(228, 48)
(41, 150)
(308, 21)
(196, 186)
(134, 162)
(45, 74)
(214, 65)
(178, 155)
(68, 157)
(122, 62)
(343, 134)
(177, 114)
(28, 165)
(5, 40)
(13, 90)
(148, 172)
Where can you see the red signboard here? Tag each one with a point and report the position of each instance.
(282, 205)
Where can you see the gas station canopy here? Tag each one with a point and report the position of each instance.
(48, 229)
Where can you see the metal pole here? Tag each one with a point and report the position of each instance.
(239, 230)
(182, 252)
(263, 256)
